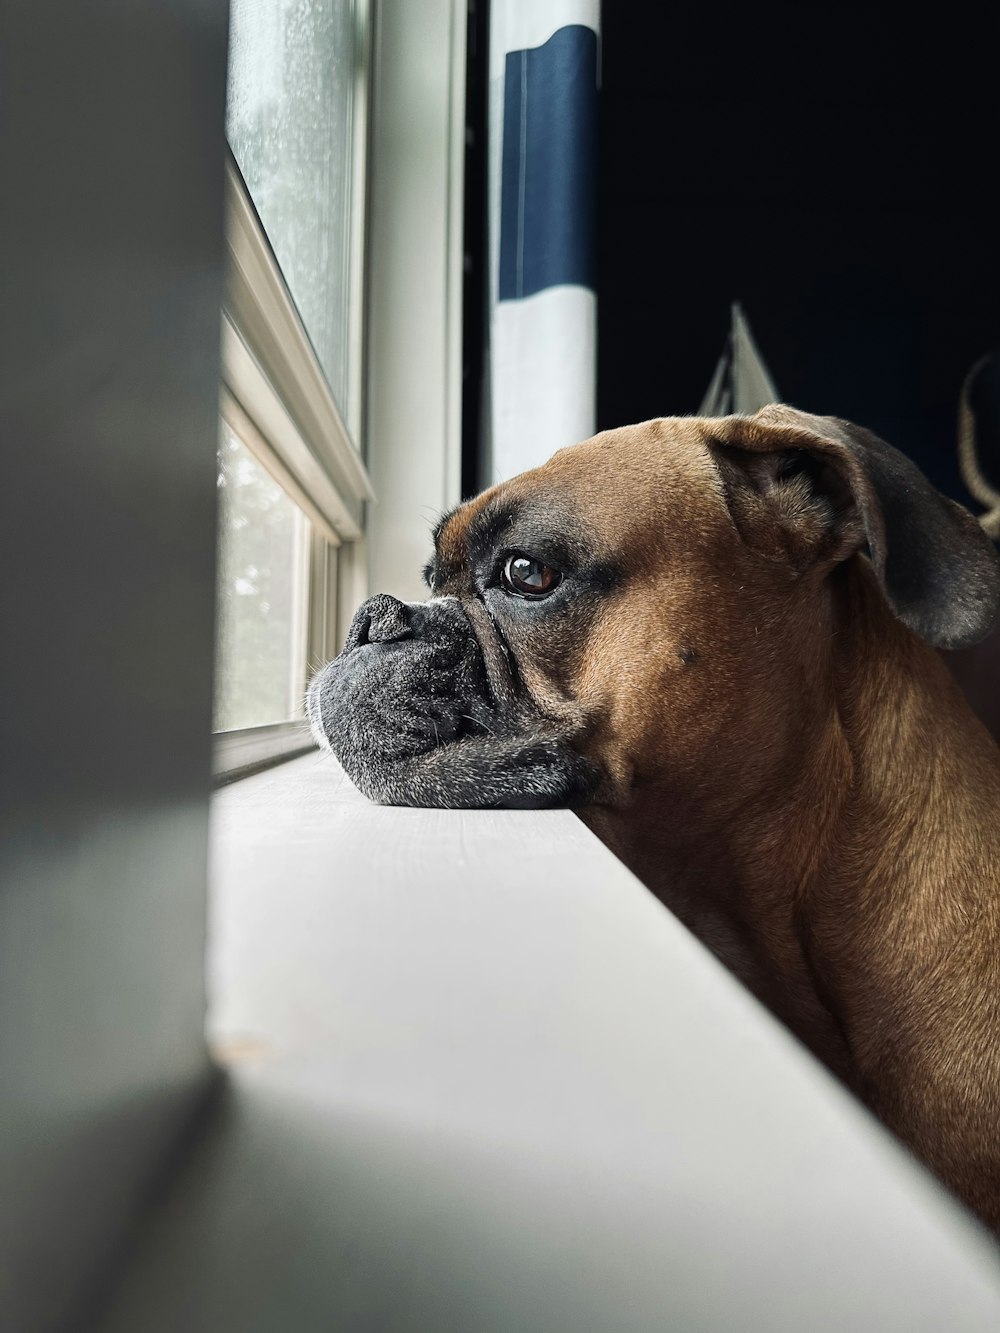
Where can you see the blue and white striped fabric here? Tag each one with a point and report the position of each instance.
(543, 205)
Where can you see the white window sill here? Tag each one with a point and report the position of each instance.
(484, 1080)
(237, 754)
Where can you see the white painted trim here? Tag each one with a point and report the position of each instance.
(258, 303)
(352, 583)
(235, 753)
(455, 253)
(256, 413)
(302, 586)
(276, 398)
(415, 282)
(323, 592)
(360, 117)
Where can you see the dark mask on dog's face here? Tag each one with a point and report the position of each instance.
(427, 704)
(588, 620)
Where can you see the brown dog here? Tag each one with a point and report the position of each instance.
(712, 637)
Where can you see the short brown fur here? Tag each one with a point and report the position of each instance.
(794, 773)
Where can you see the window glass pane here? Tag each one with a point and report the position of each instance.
(291, 76)
(260, 620)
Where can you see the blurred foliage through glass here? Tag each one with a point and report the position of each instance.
(260, 609)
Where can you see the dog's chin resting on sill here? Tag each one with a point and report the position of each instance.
(715, 638)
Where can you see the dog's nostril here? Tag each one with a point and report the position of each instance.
(358, 633)
(382, 619)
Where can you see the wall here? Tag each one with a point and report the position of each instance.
(111, 233)
(825, 165)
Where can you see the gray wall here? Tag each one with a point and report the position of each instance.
(111, 152)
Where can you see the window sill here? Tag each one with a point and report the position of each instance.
(237, 754)
(482, 1078)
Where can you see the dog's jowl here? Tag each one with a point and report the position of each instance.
(716, 640)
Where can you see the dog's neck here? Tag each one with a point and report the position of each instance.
(768, 871)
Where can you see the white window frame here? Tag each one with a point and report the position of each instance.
(275, 397)
(415, 265)
(406, 364)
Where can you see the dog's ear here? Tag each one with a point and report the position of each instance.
(813, 490)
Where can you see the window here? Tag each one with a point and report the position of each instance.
(262, 577)
(292, 482)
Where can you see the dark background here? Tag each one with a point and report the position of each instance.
(827, 165)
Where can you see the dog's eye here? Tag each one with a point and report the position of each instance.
(528, 577)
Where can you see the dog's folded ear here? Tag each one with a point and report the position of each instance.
(813, 490)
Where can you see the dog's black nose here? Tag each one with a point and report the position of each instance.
(381, 619)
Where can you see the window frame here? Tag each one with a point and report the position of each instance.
(275, 396)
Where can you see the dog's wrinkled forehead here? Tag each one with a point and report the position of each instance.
(619, 490)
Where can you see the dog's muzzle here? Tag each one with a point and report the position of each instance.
(411, 678)
(424, 707)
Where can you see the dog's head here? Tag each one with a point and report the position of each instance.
(638, 603)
